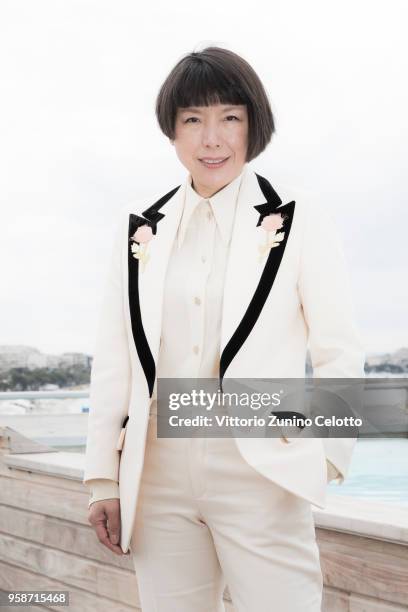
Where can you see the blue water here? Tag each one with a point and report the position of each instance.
(378, 471)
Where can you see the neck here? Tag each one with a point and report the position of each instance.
(205, 192)
(208, 192)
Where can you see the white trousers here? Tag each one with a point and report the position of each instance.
(205, 518)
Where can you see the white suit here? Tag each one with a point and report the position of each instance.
(272, 307)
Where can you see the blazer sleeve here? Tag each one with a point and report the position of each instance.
(102, 488)
(111, 368)
(335, 345)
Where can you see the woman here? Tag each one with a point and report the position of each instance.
(223, 275)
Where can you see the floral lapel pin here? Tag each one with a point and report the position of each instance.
(143, 231)
(271, 223)
(140, 240)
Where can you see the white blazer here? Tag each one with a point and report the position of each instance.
(273, 307)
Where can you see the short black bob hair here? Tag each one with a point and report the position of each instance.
(217, 76)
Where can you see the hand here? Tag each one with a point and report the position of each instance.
(104, 516)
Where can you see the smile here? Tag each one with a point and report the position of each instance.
(209, 162)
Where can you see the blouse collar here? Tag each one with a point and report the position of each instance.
(223, 205)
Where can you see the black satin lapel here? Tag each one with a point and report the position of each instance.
(151, 216)
(266, 280)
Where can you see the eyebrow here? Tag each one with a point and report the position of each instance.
(198, 109)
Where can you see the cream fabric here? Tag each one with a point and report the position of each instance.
(193, 296)
(209, 519)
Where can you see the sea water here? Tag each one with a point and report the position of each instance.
(378, 471)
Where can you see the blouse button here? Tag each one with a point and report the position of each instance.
(196, 349)
(197, 300)
(203, 258)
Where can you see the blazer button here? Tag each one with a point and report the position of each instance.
(197, 301)
(196, 349)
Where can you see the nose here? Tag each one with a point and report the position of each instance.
(211, 136)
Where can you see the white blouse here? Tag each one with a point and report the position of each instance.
(193, 294)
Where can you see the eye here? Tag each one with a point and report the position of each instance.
(191, 118)
(232, 117)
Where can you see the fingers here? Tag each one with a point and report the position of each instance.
(113, 514)
(103, 537)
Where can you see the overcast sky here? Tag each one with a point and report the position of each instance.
(78, 81)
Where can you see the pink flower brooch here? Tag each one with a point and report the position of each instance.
(141, 239)
(271, 223)
(142, 230)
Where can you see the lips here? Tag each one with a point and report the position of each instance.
(213, 162)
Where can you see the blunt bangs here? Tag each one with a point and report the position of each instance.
(203, 84)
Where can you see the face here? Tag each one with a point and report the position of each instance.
(211, 142)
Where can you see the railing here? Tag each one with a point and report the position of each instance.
(7, 395)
